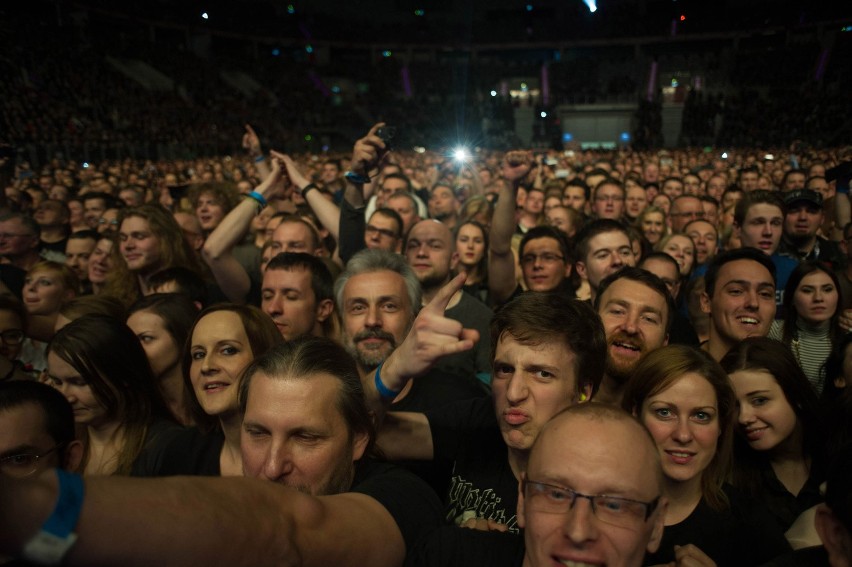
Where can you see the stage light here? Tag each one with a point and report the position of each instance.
(205, 16)
(461, 154)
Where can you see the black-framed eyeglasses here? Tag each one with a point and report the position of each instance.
(371, 230)
(12, 337)
(546, 258)
(613, 510)
(24, 464)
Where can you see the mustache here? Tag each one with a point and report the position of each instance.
(621, 337)
(374, 334)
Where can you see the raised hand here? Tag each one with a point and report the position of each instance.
(251, 142)
(291, 168)
(432, 336)
(368, 152)
(516, 165)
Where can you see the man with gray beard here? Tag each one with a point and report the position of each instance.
(378, 297)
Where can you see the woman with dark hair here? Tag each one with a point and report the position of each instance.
(161, 322)
(98, 365)
(812, 306)
(471, 240)
(224, 340)
(149, 240)
(684, 399)
(779, 454)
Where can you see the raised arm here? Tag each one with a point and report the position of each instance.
(179, 521)
(251, 142)
(367, 154)
(218, 248)
(327, 212)
(432, 336)
(501, 261)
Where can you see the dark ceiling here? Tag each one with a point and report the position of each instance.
(475, 21)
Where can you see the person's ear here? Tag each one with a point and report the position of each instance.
(586, 390)
(581, 270)
(359, 445)
(324, 309)
(73, 456)
(835, 538)
(659, 520)
(705, 303)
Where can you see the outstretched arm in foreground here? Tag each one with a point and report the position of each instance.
(205, 521)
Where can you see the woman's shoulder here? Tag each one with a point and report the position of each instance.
(172, 449)
(776, 331)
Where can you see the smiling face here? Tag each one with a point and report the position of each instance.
(592, 456)
(683, 419)
(682, 249)
(766, 419)
(294, 434)
(634, 318)
(530, 384)
(219, 351)
(816, 298)
(377, 314)
(653, 227)
(139, 246)
(743, 302)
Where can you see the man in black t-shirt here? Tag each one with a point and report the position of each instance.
(548, 354)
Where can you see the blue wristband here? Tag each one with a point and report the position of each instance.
(257, 197)
(383, 390)
(56, 537)
(259, 158)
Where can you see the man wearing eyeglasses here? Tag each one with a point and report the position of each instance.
(36, 430)
(608, 200)
(542, 253)
(685, 209)
(591, 495)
